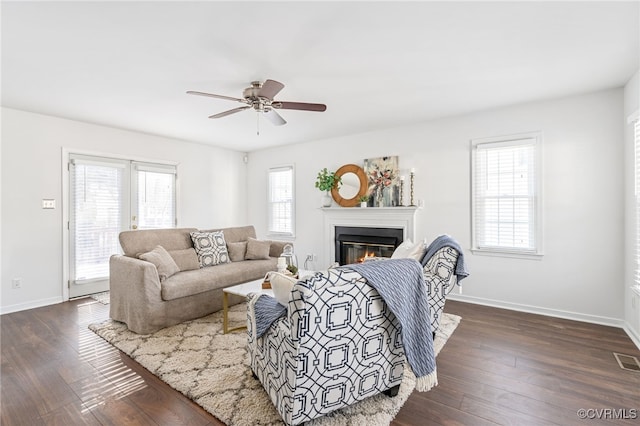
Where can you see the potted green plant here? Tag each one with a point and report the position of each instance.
(363, 200)
(325, 181)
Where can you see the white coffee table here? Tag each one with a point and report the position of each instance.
(244, 290)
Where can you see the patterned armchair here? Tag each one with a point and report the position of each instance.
(338, 344)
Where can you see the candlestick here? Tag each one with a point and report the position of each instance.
(401, 192)
(411, 176)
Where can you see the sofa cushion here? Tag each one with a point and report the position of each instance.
(257, 249)
(237, 251)
(236, 233)
(165, 264)
(144, 240)
(210, 247)
(186, 259)
(188, 283)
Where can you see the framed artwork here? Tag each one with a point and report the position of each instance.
(384, 182)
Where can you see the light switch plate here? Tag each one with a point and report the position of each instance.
(48, 203)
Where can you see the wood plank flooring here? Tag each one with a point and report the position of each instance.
(499, 367)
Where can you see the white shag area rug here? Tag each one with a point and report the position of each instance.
(103, 297)
(213, 370)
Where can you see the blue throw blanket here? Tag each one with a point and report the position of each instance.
(446, 241)
(267, 311)
(401, 285)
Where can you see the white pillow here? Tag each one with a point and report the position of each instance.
(410, 250)
(281, 285)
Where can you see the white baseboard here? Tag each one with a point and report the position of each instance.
(633, 335)
(30, 305)
(594, 319)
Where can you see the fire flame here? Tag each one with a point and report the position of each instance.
(366, 255)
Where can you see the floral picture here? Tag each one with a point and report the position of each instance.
(384, 181)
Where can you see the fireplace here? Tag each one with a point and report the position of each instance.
(354, 243)
(401, 220)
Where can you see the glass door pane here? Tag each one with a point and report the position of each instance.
(98, 189)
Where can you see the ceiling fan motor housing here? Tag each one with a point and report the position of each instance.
(251, 93)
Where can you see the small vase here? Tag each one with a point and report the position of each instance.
(363, 204)
(326, 199)
(379, 197)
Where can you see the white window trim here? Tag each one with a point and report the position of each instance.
(539, 224)
(283, 235)
(634, 121)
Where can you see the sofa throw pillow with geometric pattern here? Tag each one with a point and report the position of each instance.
(211, 248)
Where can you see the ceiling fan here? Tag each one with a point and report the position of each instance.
(260, 97)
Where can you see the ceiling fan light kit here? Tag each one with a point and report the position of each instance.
(259, 97)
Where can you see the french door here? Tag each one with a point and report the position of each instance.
(107, 196)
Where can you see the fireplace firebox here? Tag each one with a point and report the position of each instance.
(354, 243)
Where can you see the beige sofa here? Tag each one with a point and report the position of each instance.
(146, 304)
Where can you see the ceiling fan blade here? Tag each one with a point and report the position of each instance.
(211, 95)
(299, 106)
(269, 89)
(275, 118)
(231, 111)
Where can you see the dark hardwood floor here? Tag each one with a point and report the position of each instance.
(499, 367)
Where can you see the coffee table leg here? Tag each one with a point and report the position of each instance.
(225, 313)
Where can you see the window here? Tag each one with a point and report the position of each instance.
(506, 195)
(155, 195)
(280, 203)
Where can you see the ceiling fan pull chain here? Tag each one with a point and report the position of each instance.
(258, 124)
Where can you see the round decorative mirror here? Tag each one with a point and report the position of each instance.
(354, 185)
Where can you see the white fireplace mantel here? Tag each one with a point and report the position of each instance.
(371, 217)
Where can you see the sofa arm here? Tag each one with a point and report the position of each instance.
(277, 247)
(135, 291)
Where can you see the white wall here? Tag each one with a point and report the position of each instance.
(212, 185)
(580, 275)
(632, 300)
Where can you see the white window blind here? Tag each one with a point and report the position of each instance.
(156, 196)
(97, 203)
(637, 196)
(280, 202)
(506, 195)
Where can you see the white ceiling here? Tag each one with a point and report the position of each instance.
(375, 64)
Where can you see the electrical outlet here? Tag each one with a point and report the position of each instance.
(16, 283)
(48, 203)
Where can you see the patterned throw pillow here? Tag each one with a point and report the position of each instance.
(211, 248)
